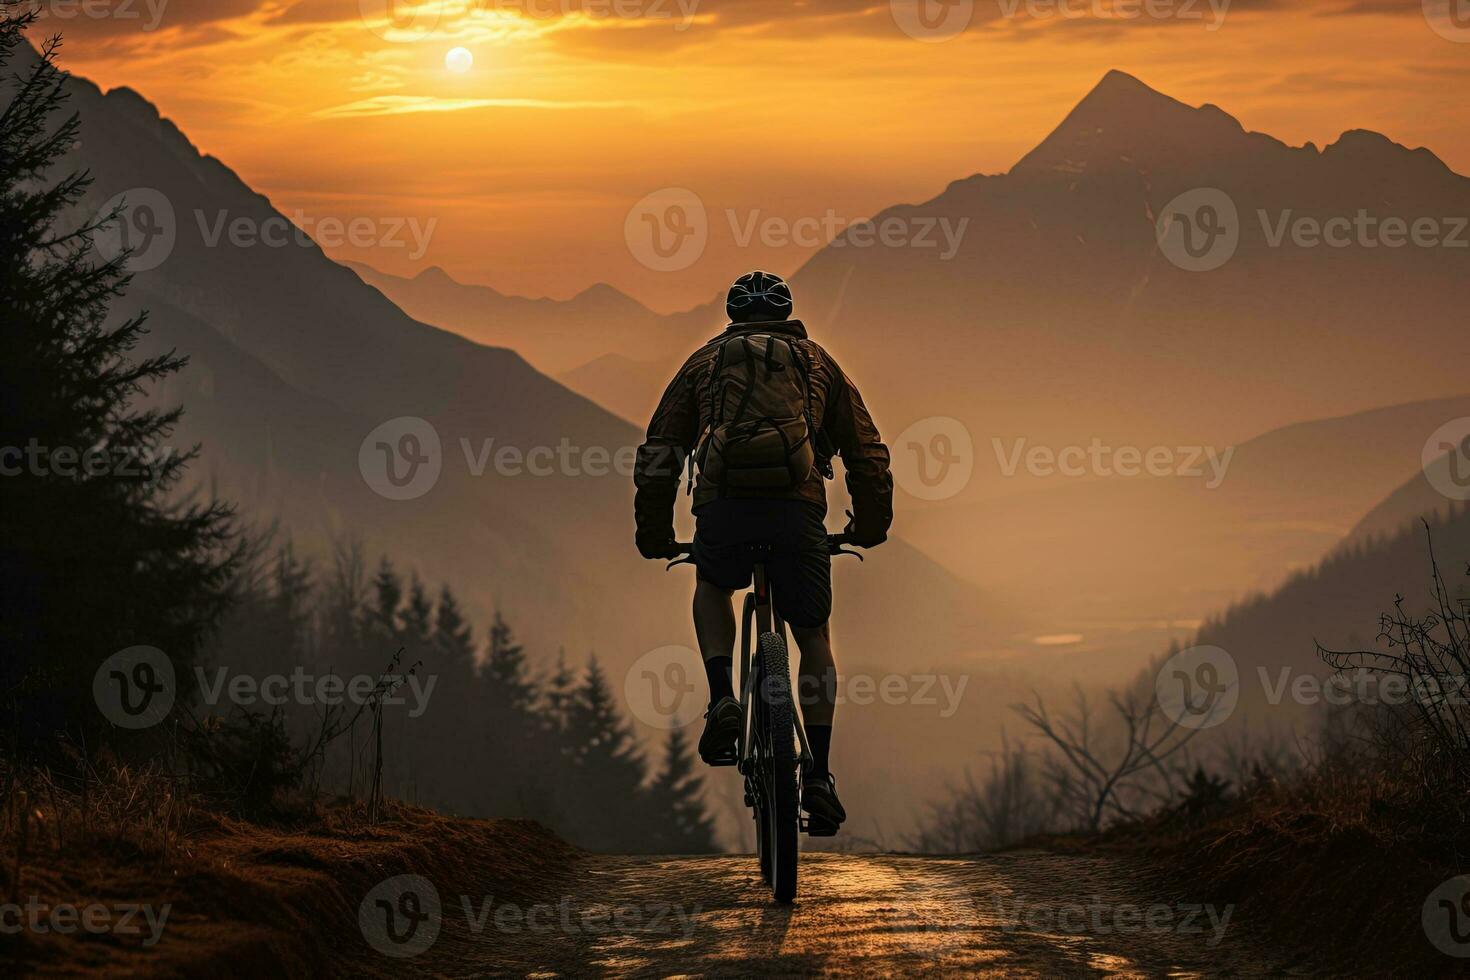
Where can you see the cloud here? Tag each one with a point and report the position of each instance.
(96, 19)
(399, 105)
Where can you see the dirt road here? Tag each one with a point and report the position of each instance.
(1018, 914)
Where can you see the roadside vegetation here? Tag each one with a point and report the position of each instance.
(1330, 839)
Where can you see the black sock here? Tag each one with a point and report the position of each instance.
(819, 738)
(717, 670)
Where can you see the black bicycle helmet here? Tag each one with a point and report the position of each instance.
(758, 297)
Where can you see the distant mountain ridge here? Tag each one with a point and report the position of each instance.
(554, 335)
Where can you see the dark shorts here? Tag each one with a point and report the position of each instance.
(798, 568)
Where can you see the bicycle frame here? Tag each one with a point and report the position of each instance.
(759, 611)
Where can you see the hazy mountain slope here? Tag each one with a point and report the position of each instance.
(628, 387)
(553, 335)
(1145, 547)
(1337, 603)
(1419, 497)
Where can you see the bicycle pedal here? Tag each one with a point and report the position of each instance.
(722, 760)
(817, 827)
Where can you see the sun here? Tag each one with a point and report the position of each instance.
(459, 61)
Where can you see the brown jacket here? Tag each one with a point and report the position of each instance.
(837, 411)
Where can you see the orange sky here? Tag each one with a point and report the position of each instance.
(527, 165)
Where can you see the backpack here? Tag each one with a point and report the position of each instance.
(760, 429)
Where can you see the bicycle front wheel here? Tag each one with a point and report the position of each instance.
(782, 831)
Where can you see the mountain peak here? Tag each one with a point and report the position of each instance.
(435, 275)
(1121, 119)
(1119, 84)
(1371, 152)
(1120, 97)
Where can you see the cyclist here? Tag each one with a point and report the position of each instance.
(762, 408)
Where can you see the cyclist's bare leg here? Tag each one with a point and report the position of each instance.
(817, 680)
(714, 625)
(714, 620)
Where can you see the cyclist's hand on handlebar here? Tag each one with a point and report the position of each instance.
(660, 545)
(863, 537)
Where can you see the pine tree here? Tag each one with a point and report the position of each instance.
(676, 802)
(417, 619)
(512, 738)
(289, 612)
(608, 770)
(454, 638)
(382, 618)
(96, 553)
(344, 605)
(507, 674)
(560, 690)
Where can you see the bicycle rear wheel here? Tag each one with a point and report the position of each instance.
(780, 836)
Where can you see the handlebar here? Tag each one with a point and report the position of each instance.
(836, 545)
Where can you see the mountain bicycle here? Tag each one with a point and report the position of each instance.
(771, 751)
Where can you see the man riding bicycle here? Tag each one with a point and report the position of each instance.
(759, 411)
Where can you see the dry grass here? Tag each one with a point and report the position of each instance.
(243, 899)
(1334, 863)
